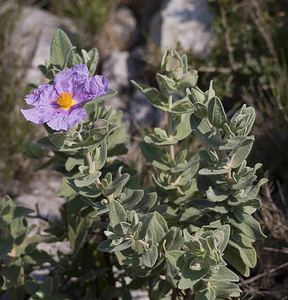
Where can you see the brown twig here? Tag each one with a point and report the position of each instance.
(263, 27)
(174, 295)
(38, 215)
(215, 70)
(283, 250)
(281, 194)
(229, 47)
(248, 281)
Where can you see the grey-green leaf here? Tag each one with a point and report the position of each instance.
(150, 256)
(166, 84)
(242, 152)
(117, 213)
(60, 47)
(216, 113)
(6, 244)
(224, 274)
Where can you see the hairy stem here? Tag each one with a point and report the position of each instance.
(90, 162)
(88, 157)
(170, 128)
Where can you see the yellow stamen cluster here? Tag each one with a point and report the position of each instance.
(65, 100)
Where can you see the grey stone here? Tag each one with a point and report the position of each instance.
(142, 112)
(188, 22)
(32, 36)
(115, 68)
(120, 67)
(43, 187)
(41, 192)
(118, 102)
(123, 29)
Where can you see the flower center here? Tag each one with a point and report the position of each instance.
(65, 100)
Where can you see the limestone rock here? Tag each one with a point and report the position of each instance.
(120, 67)
(115, 68)
(188, 22)
(142, 111)
(32, 36)
(42, 189)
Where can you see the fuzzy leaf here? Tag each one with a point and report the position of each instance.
(203, 130)
(117, 213)
(226, 290)
(196, 95)
(172, 62)
(216, 196)
(99, 155)
(115, 140)
(33, 150)
(153, 96)
(182, 106)
(216, 113)
(226, 230)
(190, 277)
(116, 186)
(106, 246)
(242, 152)
(223, 274)
(242, 121)
(214, 171)
(173, 259)
(77, 225)
(248, 225)
(232, 256)
(92, 61)
(182, 127)
(60, 47)
(111, 93)
(174, 239)
(156, 156)
(166, 84)
(246, 253)
(147, 203)
(150, 256)
(208, 156)
(200, 110)
(131, 198)
(157, 228)
(189, 79)
(210, 93)
(6, 245)
(206, 294)
(72, 162)
(87, 179)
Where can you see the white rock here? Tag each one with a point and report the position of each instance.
(41, 192)
(116, 69)
(185, 21)
(42, 189)
(120, 67)
(32, 36)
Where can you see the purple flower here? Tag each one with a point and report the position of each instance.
(59, 105)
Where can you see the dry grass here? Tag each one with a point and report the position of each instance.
(13, 169)
(269, 279)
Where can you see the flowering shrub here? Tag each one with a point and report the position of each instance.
(176, 239)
